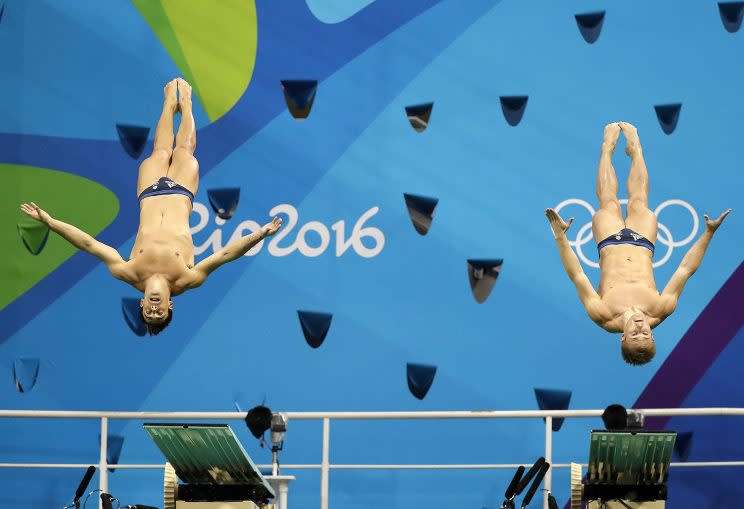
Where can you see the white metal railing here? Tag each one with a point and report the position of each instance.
(325, 466)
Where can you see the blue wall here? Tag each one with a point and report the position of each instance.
(71, 72)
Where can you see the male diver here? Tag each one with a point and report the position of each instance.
(161, 263)
(628, 300)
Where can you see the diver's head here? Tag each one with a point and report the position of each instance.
(157, 308)
(637, 342)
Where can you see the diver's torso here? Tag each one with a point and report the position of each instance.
(164, 244)
(628, 279)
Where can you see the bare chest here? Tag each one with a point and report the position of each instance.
(166, 258)
(620, 298)
(163, 247)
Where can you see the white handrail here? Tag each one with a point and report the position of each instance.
(373, 466)
(325, 467)
(458, 414)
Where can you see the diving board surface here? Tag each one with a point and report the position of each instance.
(630, 458)
(206, 454)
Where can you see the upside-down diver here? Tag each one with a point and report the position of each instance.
(161, 263)
(627, 300)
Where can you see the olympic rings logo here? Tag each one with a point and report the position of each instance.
(664, 236)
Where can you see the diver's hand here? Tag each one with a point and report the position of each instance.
(712, 226)
(271, 228)
(33, 211)
(557, 224)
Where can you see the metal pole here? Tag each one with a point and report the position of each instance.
(283, 491)
(548, 458)
(325, 463)
(103, 461)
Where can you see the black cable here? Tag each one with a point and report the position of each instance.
(108, 503)
(552, 504)
(85, 502)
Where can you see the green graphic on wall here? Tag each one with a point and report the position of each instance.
(212, 43)
(70, 198)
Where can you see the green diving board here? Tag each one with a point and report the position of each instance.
(630, 458)
(207, 454)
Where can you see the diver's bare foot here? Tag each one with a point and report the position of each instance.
(611, 134)
(170, 89)
(184, 92)
(632, 141)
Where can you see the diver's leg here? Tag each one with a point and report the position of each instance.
(639, 218)
(609, 218)
(156, 165)
(184, 168)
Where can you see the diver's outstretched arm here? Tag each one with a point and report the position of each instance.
(690, 263)
(593, 304)
(233, 251)
(79, 239)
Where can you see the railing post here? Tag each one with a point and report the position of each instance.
(325, 462)
(549, 459)
(103, 461)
